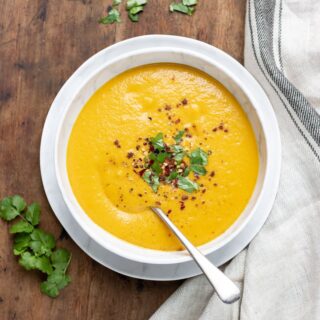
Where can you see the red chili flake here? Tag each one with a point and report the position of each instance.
(142, 172)
(182, 205)
(169, 117)
(201, 185)
(221, 127)
(188, 135)
(215, 184)
(149, 118)
(196, 177)
(139, 194)
(169, 211)
(193, 198)
(137, 147)
(184, 101)
(130, 155)
(214, 129)
(204, 190)
(226, 130)
(212, 174)
(117, 143)
(177, 121)
(184, 197)
(167, 107)
(145, 143)
(178, 105)
(203, 202)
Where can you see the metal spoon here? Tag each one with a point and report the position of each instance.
(227, 291)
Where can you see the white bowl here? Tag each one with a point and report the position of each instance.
(244, 88)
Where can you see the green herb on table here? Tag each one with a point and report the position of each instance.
(171, 164)
(112, 17)
(36, 248)
(185, 7)
(134, 7)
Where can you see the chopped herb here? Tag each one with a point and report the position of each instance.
(187, 185)
(157, 141)
(134, 7)
(199, 156)
(136, 10)
(166, 164)
(151, 179)
(198, 169)
(34, 246)
(172, 176)
(180, 7)
(112, 17)
(116, 2)
(189, 2)
(179, 136)
(135, 3)
(133, 17)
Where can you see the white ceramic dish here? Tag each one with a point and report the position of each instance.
(110, 250)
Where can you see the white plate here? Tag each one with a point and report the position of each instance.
(172, 271)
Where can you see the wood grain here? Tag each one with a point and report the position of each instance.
(42, 42)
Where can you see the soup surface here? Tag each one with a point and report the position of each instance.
(107, 152)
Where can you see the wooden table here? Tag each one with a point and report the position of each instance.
(42, 42)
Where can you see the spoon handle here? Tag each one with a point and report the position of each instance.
(227, 291)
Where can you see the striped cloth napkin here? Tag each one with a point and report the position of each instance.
(279, 272)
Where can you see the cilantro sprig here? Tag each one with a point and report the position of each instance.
(168, 164)
(36, 248)
(185, 7)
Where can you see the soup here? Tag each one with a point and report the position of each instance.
(149, 119)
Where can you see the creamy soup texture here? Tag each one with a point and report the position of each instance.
(107, 150)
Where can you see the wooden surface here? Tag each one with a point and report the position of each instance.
(42, 42)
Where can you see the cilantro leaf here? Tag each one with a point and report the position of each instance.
(156, 167)
(56, 281)
(180, 7)
(157, 141)
(151, 179)
(186, 172)
(133, 17)
(33, 214)
(198, 169)
(18, 202)
(162, 156)
(199, 156)
(11, 207)
(30, 262)
(112, 17)
(189, 2)
(7, 211)
(178, 136)
(42, 242)
(187, 185)
(172, 175)
(178, 153)
(60, 259)
(21, 226)
(116, 2)
(135, 3)
(136, 10)
(21, 243)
